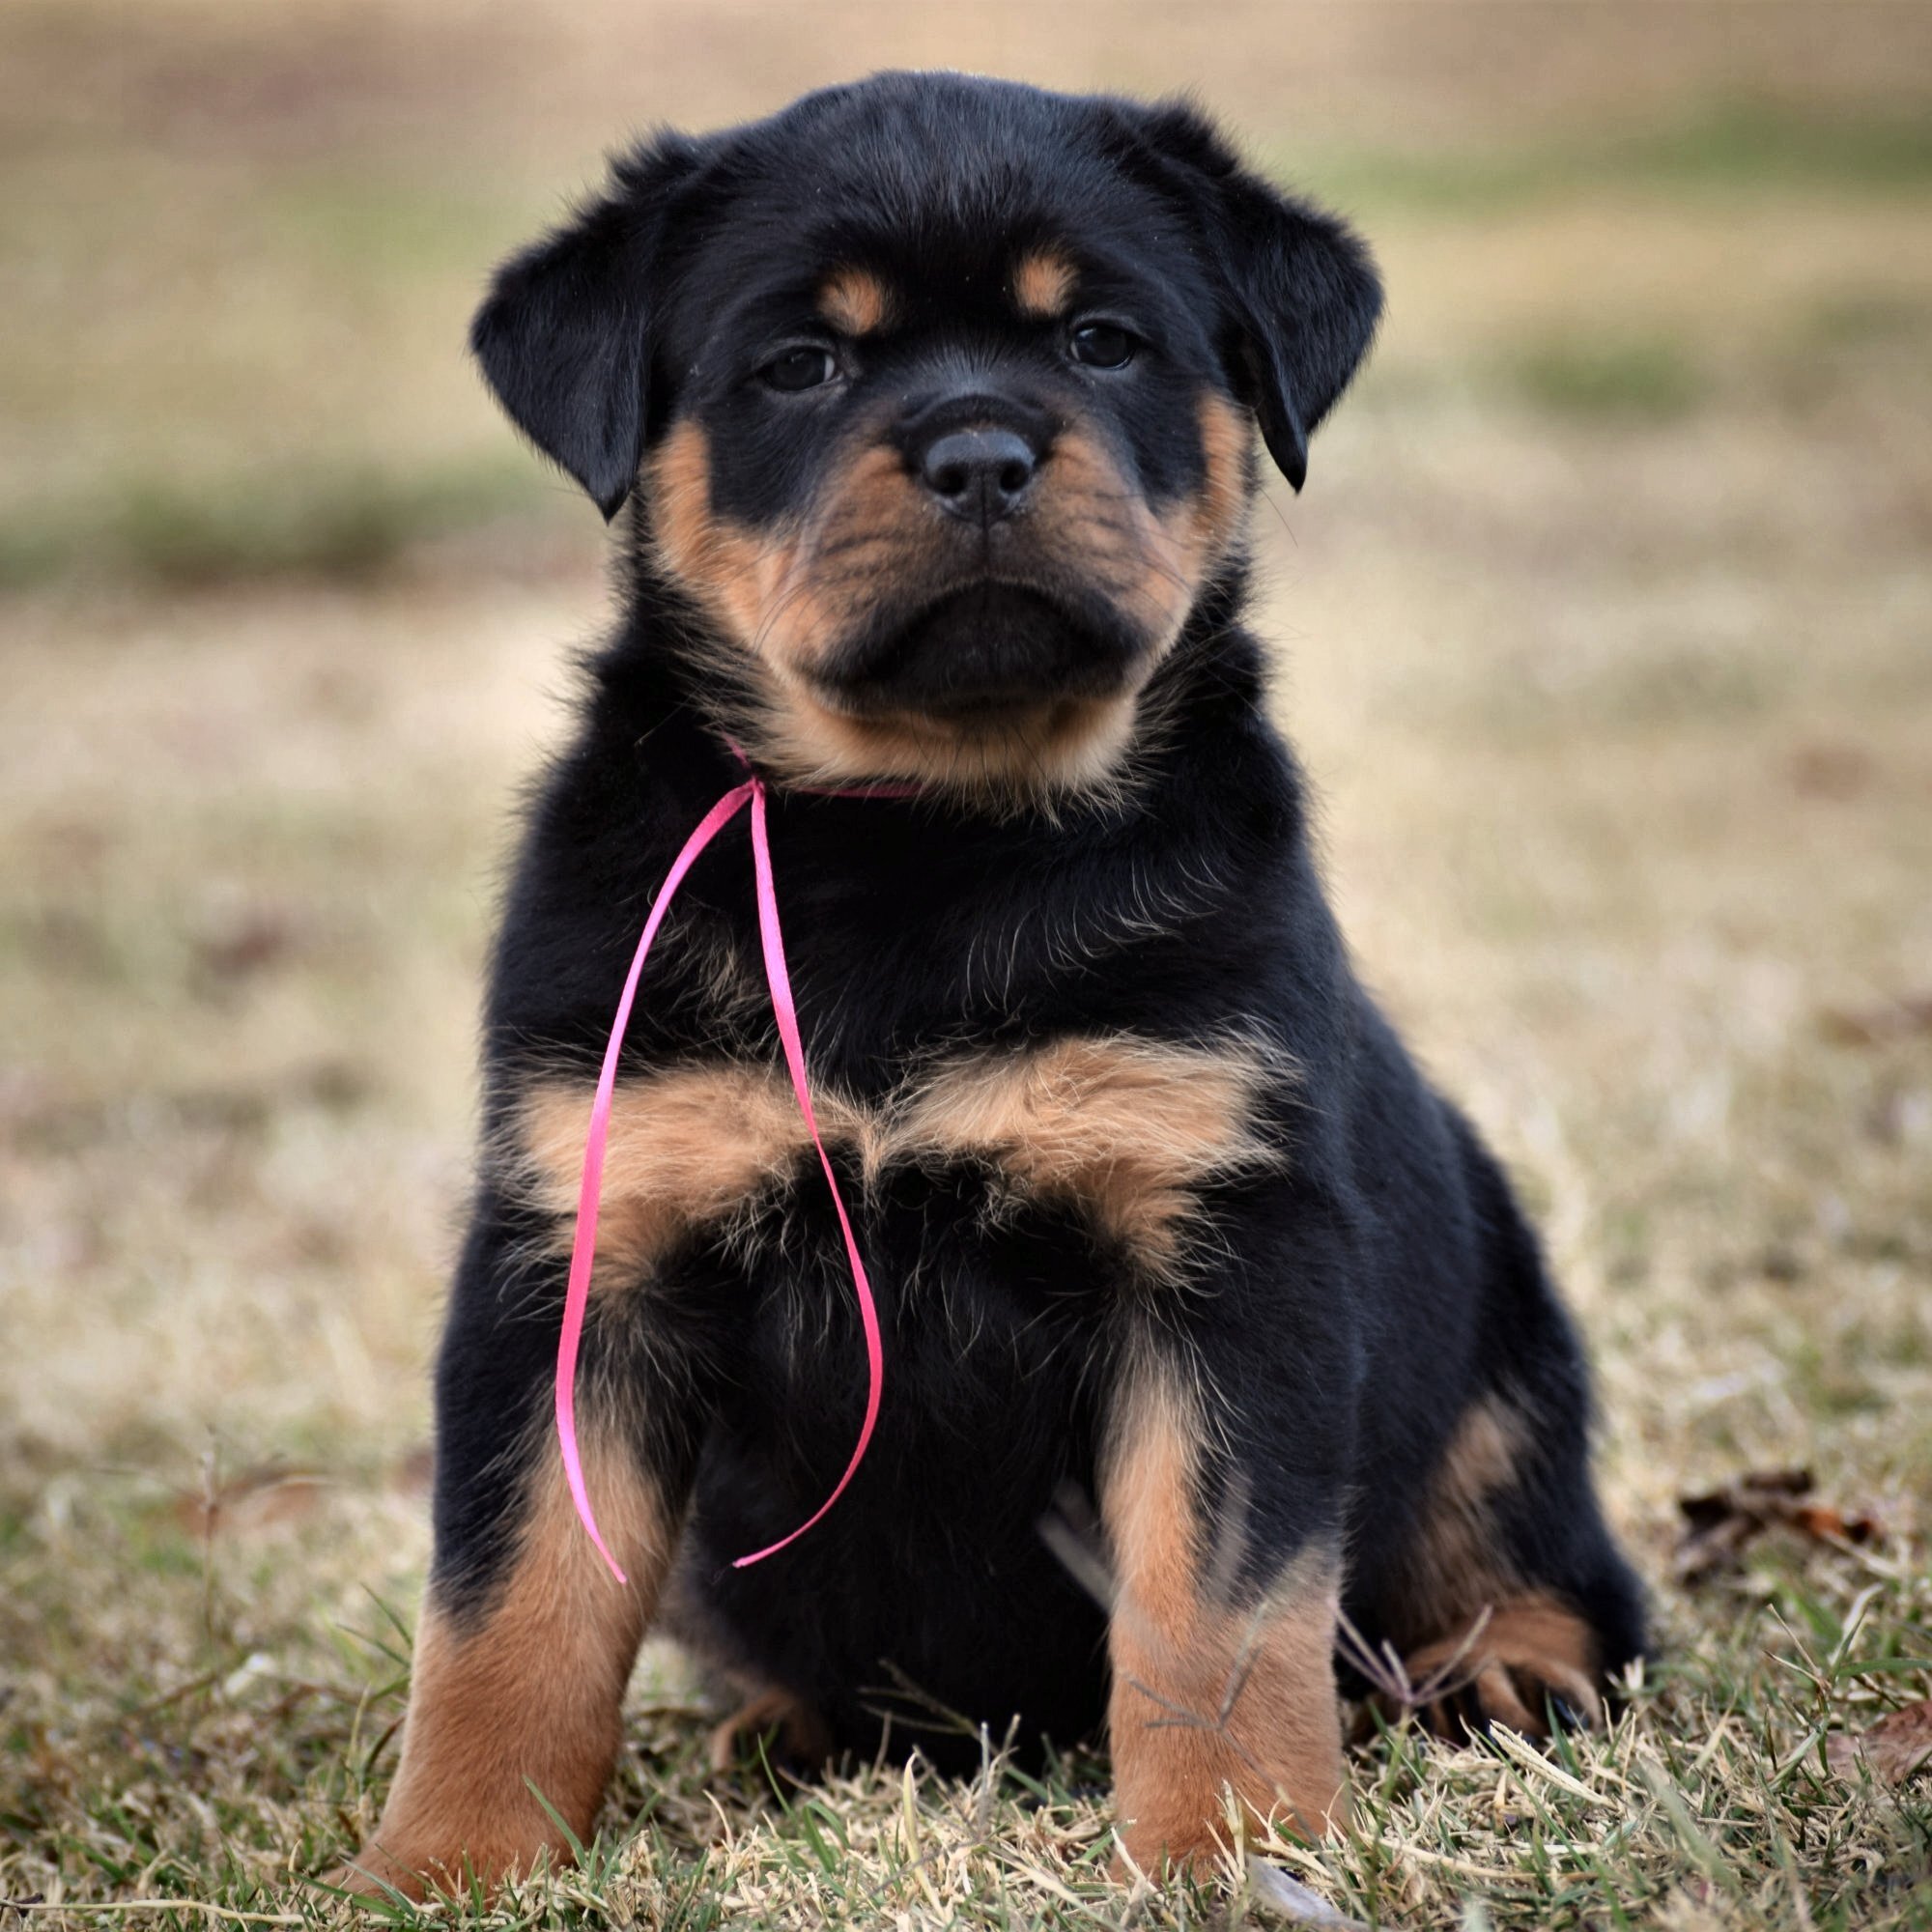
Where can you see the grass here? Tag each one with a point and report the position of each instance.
(1603, 628)
(1719, 150)
(265, 1751)
(1620, 380)
(342, 521)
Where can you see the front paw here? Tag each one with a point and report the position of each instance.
(380, 1870)
(1144, 1853)
(372, 1873)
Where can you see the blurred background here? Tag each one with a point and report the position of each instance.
(1605, 624)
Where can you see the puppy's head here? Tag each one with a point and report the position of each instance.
(936, 395)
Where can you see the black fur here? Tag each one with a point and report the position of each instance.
(1346, 1309)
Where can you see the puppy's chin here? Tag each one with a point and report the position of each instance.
(1003, 758)
(986, 660)
(1007, 696)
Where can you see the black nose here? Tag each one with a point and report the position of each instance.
(980, 474)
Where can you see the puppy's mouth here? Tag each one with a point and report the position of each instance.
(983, 658)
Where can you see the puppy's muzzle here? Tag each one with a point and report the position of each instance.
(1004, 622)
(984, 653)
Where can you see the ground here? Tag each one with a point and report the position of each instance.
(1604, 626)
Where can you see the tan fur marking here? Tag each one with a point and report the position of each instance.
(771, 592)
(1525, 1646)
(1074, 746)
(1085, 509)
(802, 1736)
(1227, 445)
(1093, 511)
(752, 585)
(1127, 1128)
(1207, 1695)
(1481, 1457)
(686, 1147)
(1453, 1565)
(1131, 1128)
(1191, 538)
(875, 528)
(533, 1688)
(1458, 1581)
(855, 302)
(1043, 284)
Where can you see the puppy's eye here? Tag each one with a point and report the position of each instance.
(800, 369)
(1102, 345)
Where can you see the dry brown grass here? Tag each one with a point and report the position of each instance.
(1604, 627)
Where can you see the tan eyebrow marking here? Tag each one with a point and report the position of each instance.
(1043, 283)
(855, 302)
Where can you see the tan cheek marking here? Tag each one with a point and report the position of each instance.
(1196, 534)
(1087, 507)
(734, 575)
(755, 585)
(1129, 1128)
(1207, 1695)
(869, 531)
(855, 302)
(533, 1688)
(1227, 446)
(783, 597)
(686, 1147)
(1043, 284)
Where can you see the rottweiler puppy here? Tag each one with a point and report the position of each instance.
(928, 405)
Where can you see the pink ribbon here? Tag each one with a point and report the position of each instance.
(784, 1010)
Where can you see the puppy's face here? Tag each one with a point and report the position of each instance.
(937, 397)
(952, 503)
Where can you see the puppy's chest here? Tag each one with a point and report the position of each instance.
(1122, 1130)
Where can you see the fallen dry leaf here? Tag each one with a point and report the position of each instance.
(1828, 769)
(1874, 1026)
(254, 1500)
(1719, 1524)
(237, 942)
(1896, 1748)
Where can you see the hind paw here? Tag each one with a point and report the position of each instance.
(1524, 1663)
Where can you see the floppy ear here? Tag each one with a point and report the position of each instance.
(1307, 299)
(565, 335)
(1303, 296)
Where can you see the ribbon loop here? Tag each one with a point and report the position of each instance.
(584, 1248)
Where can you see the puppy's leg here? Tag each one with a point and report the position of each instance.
(1221, 1642)
(527, 1640)
(1507, 1597)
(1495, 1576)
